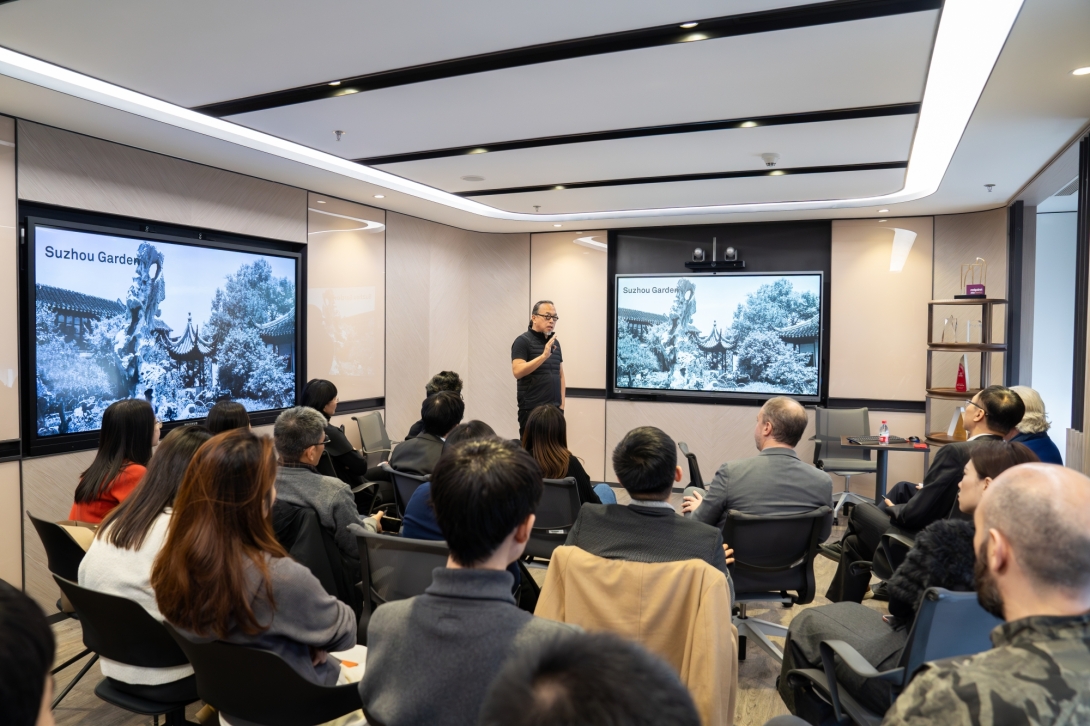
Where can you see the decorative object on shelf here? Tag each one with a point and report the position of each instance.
(951, 324)
(963, 374)
(973, 276)
(956, 430)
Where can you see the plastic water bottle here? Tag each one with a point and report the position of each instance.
(883, 434)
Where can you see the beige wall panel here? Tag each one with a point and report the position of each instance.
(574, 277)
(715, 433)
(70, 170)
(959, 239)
(9, 287)
(11, 544)
(49, 484)
(872, 355)
(455, 301)
(346, 298)
(586, 419)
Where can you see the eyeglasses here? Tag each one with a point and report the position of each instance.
(553, 318)
(974, 403)
(326, 442)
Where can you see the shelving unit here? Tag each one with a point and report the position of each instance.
(986, 349)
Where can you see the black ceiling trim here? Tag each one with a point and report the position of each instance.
(686, 177)
(801, 16)
(810, 117)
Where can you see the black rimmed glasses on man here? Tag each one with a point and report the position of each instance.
(548, 318)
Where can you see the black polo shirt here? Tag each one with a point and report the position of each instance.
(543, 385)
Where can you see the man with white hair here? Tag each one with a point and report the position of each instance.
(1032, 570)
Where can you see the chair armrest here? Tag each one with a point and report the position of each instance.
(374, 451)
(365, 485)
(908, 542)
(856, 662)
(858, 568)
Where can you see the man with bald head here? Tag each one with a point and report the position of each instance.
(775, 482)
(1032, 570)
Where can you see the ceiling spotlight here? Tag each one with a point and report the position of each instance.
(689, 25)
(320, 201)
(335, 83)
(989, 187)
(472, 178)
(559, 186)
(882, 211)
(1077, 72)
(748, 124)
(556, 225)
(770, 158)
(693, 37)
(479, 151)
(339, 134)
(882, 220)
(380, 196)
(778, 172)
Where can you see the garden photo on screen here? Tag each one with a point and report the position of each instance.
(178, 325)
(720, 334)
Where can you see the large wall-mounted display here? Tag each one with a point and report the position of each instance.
(111, 314)
(719, 334)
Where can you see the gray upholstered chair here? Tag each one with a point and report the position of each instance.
(830, 456)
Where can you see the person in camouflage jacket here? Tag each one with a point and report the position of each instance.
(1033, 570)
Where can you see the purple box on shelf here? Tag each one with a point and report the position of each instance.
(974, 290)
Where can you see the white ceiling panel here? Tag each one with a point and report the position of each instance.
(856, 141)
(870, 62)
(798, 187)
(201, 51)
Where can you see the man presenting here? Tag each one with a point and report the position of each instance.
(538, 364)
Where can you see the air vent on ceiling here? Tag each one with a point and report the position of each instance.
(1069, 189)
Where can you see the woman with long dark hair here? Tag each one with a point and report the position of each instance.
(120, 558)
(546, 439)
(129, 432)
(222, 574)
(227, 415)
(350, 465)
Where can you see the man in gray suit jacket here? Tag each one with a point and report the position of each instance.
(440, 413)
(775, 482)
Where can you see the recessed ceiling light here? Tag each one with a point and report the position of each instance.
(479, 151)
(748, 124)
(320, 201)
(1081, 71)
(778, 172)
(689, 25)
(882, 211)
(882, 220)
(335, 83)
(557, 225)
(380, 196)
(472, 178)
(559, 186)
(693, 37)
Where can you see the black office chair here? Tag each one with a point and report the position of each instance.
(694, 468)
(947, 625)
(405, 485)
(556, 513)
(300, 532)
(375, 441)
(772, 555)
(259, 686)
(121, 630)
(893, 548)
(395, 568)
(63, 556)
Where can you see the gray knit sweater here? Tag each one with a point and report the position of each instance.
(331, 498)
(431, 658)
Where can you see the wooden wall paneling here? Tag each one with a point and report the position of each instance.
(49, 485)
(574, 277)
(71, 170)
(346, 298)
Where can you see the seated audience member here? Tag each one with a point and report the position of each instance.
(431, 658)
(546, 438)
(775, 482)
(441, 381)
(300, 435)
(129, 432)
(1032, 570)
(441, 412)
(227, 415)
(943, 556)
(120, 557)
(990, 415)
(26, 657)
(1033, 429)
(418, 521)
(588, 680)
(350, 465)
(222, 574)
(648, 529)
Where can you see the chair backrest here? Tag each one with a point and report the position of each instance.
(300, 532)
(395, 568)
(405, 485)
(373, 436)
(775, 553)
(259, 686)
(121, 630)
(325, 465)
(555, 515)
(948, 624)
(832, 423)
(694, 468)
(63, 554)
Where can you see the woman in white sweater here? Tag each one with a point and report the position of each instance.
(120, 559)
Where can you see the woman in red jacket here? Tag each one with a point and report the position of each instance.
(129, 431)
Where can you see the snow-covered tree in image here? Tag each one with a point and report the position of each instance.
(633, 359)
(67, 379)
(763, 356)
